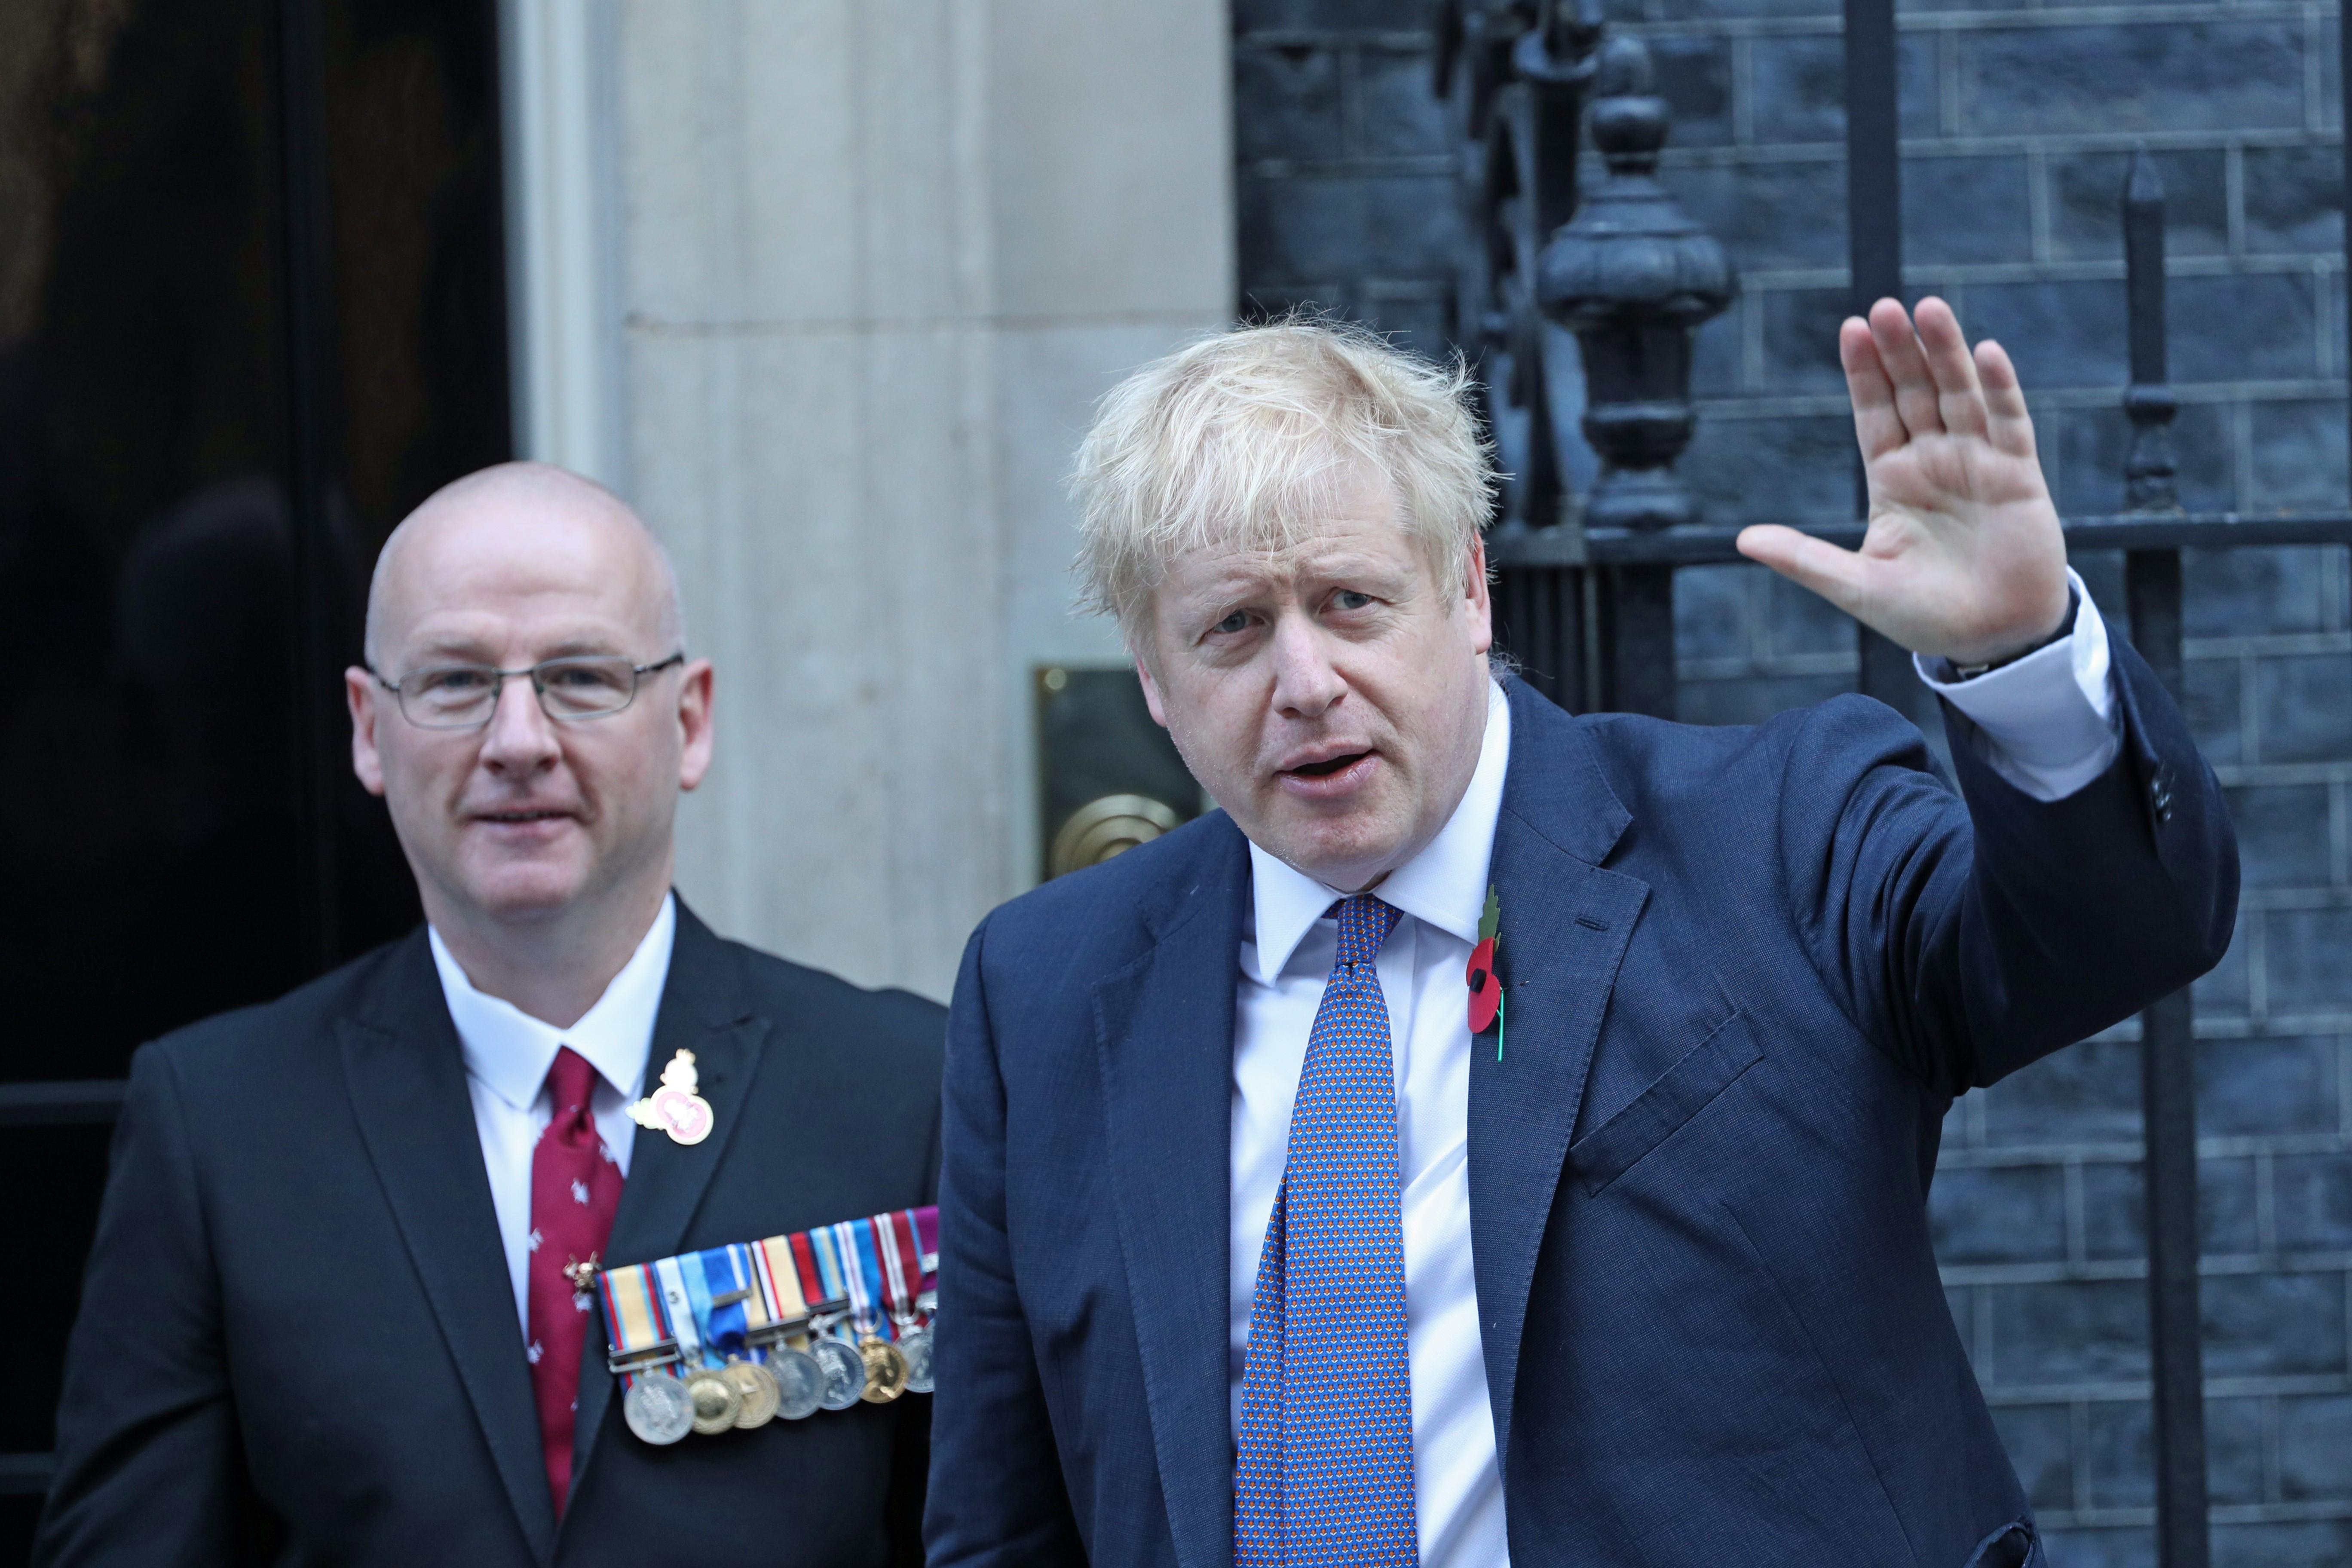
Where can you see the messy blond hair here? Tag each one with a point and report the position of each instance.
(1244, 441)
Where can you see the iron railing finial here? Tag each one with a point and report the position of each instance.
(2151, 480)
(1633, 277)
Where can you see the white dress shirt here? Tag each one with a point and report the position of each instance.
(508, 1054)
(2044, 722)
(2049, 735)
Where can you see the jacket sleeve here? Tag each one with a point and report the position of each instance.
(997, 1496)
(1969, 937)
(149, 1463)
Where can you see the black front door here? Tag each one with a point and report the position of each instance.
(252, 309)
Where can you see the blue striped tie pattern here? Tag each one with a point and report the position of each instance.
(1323, 1475)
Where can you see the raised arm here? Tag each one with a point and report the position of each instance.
(1971, 939)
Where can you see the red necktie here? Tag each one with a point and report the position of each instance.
(574, 1188)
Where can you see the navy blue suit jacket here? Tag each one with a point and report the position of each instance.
(1749, 970)
(297, 1341)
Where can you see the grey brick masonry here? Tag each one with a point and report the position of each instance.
(2017, 122)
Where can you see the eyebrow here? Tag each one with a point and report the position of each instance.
(1240, 584)
(468, 651)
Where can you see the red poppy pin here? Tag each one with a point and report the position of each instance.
(1486, 985)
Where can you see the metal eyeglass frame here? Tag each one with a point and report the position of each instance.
(638, 673)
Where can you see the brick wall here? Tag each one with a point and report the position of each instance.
(1345, 186)
(2017, 125)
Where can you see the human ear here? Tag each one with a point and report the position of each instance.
(694, 719)
(359, 694)
(1481, 600)
(1150, 693)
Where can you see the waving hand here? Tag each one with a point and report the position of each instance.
(1963, 557)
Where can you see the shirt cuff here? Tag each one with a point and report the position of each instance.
(2047, 724)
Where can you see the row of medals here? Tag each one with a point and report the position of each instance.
(832, 1375)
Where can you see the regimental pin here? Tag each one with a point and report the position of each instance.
(676, 1107)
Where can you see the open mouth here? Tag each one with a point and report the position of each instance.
(1329, 766)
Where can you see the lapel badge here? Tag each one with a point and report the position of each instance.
(1486, 985)
(675, 1108)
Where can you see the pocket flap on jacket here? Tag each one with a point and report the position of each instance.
(1706, 1070)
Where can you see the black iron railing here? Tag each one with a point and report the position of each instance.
(1577, 314)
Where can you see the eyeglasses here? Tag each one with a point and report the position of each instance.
(465, 696)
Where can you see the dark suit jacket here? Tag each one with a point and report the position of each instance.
(1749, 970)
(297, 1340)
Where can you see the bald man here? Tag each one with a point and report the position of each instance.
(329, 1316)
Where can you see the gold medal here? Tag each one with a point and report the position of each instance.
(676, 1108)
(717, 1401)
(885, 1369)
(757, 1386)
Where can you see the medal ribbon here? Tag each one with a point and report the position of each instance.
(892, 1238)
(881, 1265)
(832, 1269)
(838, 1247)
(723, 1325)
(633, 1320)
(927, 1242)
(805, 1264)
(684, 1317)
(843, 1239)
(780, 1283)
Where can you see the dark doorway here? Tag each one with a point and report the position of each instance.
(252, 309)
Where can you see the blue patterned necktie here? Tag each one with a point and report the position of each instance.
(1323, 1475)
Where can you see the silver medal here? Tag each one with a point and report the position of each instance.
(657, 1407)
(915, 1345)
(799, 1382)
(844, 1374)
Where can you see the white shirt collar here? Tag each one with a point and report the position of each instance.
(509, 1051)
(1444, 885)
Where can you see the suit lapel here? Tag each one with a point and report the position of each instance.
(1565, 924)
(407, 1076)
(702, 1010)
(1164, 1032)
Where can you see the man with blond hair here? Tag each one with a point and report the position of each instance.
(1499, 1136)
(341, 1306)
